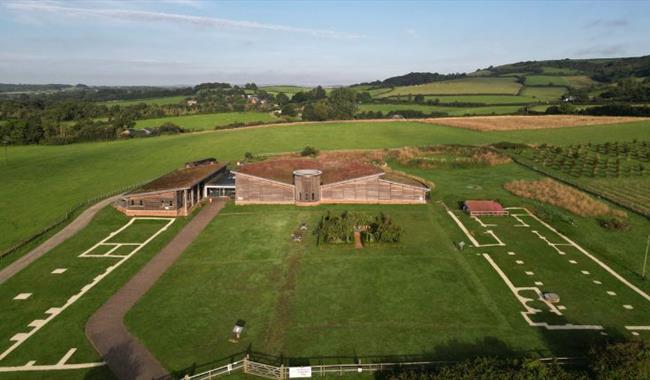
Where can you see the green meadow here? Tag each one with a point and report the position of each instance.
(483, 99)
(209, 121)
(75, 173)
(152, 101)
(451, 111)
(469, 86)
(544, 93)
(576, 81)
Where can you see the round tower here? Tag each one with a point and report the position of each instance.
(307, 182)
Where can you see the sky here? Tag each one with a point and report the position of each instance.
(185, 42)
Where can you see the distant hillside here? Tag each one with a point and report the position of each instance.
(412, 79)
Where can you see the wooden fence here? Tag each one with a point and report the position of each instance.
(267, 371)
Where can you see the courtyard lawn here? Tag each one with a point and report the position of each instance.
(46, 181)
(66, 330)
(208, 121)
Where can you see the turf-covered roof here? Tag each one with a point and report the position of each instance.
(334, 170)
(180, 179)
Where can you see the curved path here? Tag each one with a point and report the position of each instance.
(72, 228)
(122, 352)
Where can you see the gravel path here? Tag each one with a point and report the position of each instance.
(75, 226)
(122, 352)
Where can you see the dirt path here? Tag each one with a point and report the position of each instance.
(71, 229)
(122, 352)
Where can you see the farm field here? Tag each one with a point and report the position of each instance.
(541, 122)
(207, 121)
(451, 111)
(483, 99)
(288, 90)
(543, 93)
(127, 163)
(273, 283)
(576, 81)
(66, 286)
(153, 101)
(469, 86)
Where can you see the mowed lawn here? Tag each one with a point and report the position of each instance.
(43, 182)
(208, 121)
(421, 298)
(65, 331)
(504, 86)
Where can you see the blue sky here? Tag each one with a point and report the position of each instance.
(177, 42)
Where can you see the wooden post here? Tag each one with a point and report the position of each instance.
(185, 201)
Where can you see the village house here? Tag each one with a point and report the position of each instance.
(305, 181)
(175, 193)
(484, 207)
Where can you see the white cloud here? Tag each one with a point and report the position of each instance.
(147, 16)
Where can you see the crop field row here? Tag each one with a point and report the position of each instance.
(203, 122)
(632, 191)
(597, 160)
(449, 110)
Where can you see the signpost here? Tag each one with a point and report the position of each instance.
(299, 372)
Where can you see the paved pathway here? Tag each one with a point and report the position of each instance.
(72, 228)
(124, 354)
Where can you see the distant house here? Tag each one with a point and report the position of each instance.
(252, 99)
(305, 181)
(174, 194)
(192, 102)
(483, 207)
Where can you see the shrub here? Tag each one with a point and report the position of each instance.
(614, 224)
(309, 151)
(335, 229)
(626, 360)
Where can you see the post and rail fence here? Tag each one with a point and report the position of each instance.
(249, 366)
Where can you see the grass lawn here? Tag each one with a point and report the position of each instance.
(207, 121)
(470, 86)
(78, 172)
(66, 330)
(153, 101)
(420, 298)
(451, 111)
(576, 81)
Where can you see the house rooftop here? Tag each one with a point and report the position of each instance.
(180, 179)
(484, 206)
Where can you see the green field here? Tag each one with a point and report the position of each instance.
(576, 81)
(451, 111)
(544, 93)
(152, 101)
(208, 121)
(66, 330)
(288, 90)
(469, 86)
(419, 297)
(483, 99)
(82, 171)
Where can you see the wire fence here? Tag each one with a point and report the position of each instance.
(65, 218)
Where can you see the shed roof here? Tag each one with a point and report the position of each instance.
(180, 179)
(484, 206)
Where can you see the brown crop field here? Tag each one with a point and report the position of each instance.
(511, 123)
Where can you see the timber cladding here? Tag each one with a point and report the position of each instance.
(291, 183)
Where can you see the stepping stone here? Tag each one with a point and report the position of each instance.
(22, 296)
(539, 283)
(530, 273)
(628, 307)
(611, 293)
(59, 270)
(597, 282)
(584, 272)
(520, 262)
(573, 261)
(511, 253)
(561, 307)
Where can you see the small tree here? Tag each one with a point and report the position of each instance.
(309, 151)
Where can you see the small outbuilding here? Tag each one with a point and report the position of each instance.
(174, 194)
(484, 207)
